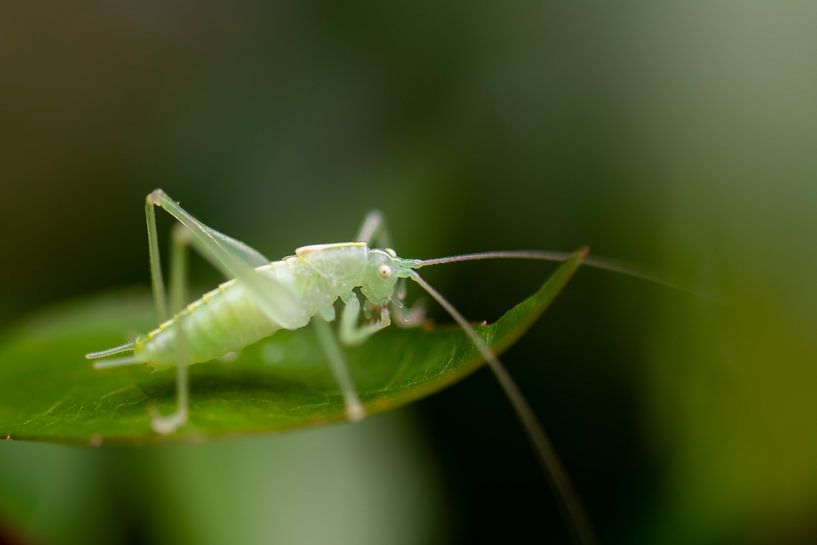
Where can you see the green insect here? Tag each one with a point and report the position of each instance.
(263, 296)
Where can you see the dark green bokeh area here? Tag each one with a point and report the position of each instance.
(682, 136)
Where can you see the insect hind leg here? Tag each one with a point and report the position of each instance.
(178, 278)
(234, 259)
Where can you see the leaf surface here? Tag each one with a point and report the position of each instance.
(49, 392)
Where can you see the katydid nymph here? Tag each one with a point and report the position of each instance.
(262, 296)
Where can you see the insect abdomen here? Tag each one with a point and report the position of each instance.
(224, 320)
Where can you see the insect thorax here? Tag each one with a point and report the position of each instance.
(343, 265)
(350, 265)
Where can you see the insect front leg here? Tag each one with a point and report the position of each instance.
(337, 363)
(373, 230)
(351, 333)
(407, 317)
(178, 293)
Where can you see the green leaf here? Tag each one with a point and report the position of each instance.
(49, 392)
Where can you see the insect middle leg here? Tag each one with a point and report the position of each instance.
(340, 370)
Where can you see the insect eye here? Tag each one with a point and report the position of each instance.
(384, 271)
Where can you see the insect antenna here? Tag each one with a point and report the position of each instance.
(555, 473)
(604, 263)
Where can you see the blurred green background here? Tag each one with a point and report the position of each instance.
(678, 135)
